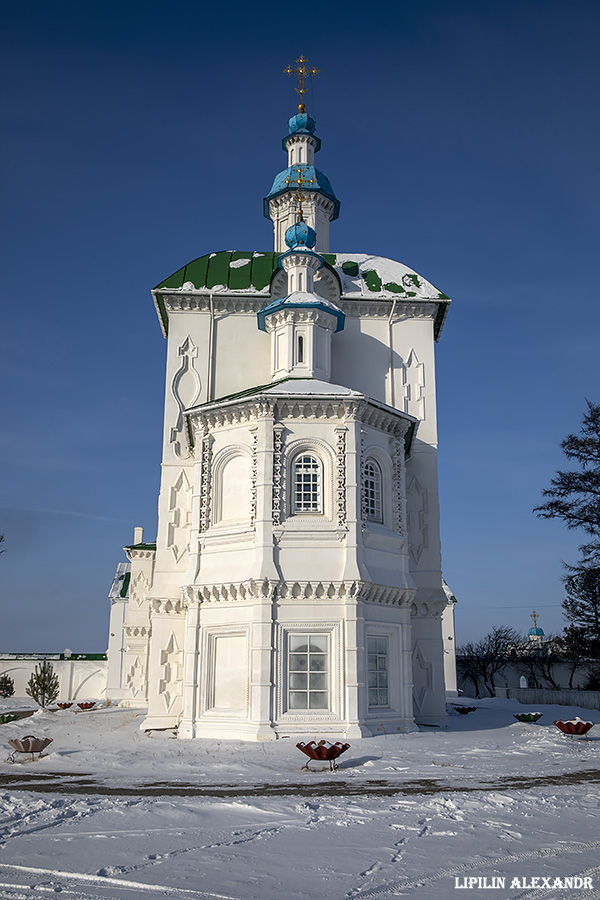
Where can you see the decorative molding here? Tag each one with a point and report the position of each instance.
(278, 474)
(170, 682)
(254, 475)
(363, 488)
(417, 508)
(339, 407)
(229, 592)
(412, 387)
(180, 499)
(398, 489)
(302, 315)
(364, 307)
(337, 591)
(185, 387)
(139, 553)
(138, 589)
(423, 667)
(232, 414)
(138, 631)
(340, 491)
(206, 481)
(136, 678)
(168, 607)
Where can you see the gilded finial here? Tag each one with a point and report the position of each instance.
(302, 71)
(534, 616)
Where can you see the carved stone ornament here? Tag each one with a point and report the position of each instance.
(278, 474)
(206, 481)
(340, 466)
(185, 387)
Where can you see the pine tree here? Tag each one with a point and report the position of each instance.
(43, 684)
(7, 686)
(574, 496)
(582, 607)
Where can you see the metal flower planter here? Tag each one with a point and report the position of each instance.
(574, 726)
(87, 705)
(463, 710)
(28, 744)
(65, 705)
(323, 751)
(527, 717)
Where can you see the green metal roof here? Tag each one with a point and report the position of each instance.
(360, 276)
(217, 269)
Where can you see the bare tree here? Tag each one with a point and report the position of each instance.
(480, 661)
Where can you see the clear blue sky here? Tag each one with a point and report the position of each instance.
(462, 139)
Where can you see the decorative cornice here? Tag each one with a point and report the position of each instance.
(138, 631)
(231, 592)
(231, 414)
(139, 553)
(318, 591)
(167, 607)
(293, 314)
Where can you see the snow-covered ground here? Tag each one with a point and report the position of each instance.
(116, 814)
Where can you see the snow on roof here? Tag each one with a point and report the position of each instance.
(119, 589)
(361, 275)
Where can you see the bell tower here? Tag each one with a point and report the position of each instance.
(320, 204)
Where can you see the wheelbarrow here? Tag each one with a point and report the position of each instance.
(28, 744)
(322, 751)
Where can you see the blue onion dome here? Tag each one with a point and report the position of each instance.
(535, 632)
(300, 235)
(302, 123)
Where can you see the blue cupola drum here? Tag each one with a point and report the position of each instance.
(300, 235)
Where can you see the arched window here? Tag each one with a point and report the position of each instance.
(373, 506)
(307, 484)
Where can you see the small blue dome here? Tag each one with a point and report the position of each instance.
(300, 235)
(535, 632)
(302, 123)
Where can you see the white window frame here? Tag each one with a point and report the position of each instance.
(300, 679)
(373, 496)
(317, 469)
(381, 673)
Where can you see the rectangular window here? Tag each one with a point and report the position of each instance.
(377, 650)
(308, 672)
(307, 484)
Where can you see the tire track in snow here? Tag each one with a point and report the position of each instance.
(54, 877)
(554, 895)
(419, 881)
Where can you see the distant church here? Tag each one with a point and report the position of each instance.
(295, 584)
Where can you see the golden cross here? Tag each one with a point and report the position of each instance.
(534, 616)
(299, 194)
(302, 71)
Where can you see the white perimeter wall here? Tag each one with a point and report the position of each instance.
(81, 679)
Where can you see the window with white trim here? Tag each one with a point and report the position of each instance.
(307, 484)
(377, 671)
(308, 672)
(372, 494)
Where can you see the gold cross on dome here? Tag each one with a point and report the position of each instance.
(534, 616)
(299, 193)
(302, 71)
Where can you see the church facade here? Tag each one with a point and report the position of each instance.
(295, 584)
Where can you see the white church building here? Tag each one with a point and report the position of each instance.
(295, 585)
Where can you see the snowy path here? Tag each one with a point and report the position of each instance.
(405, 815)
(120, 849)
